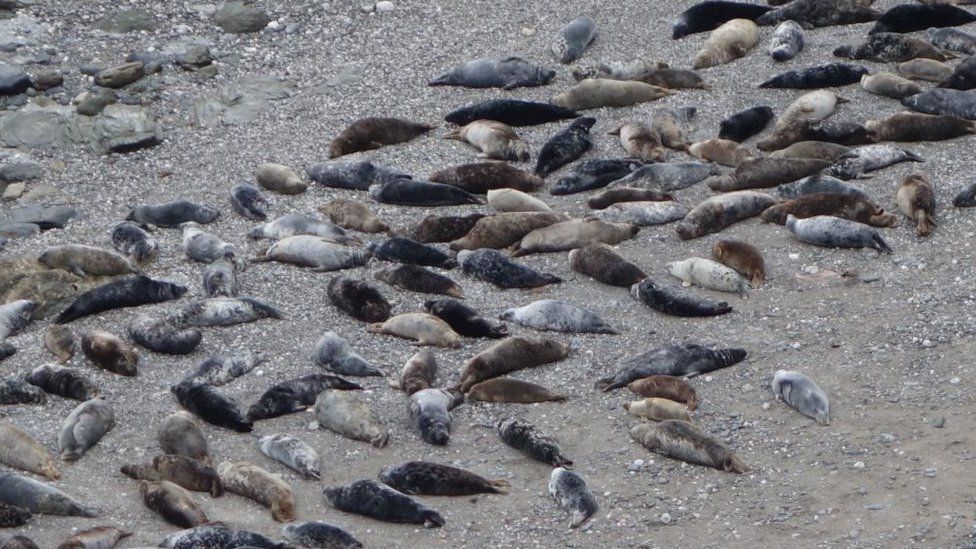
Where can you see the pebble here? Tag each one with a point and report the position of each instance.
(937, 422)
(385, 6)
(886, 438)
(666, 518)
(931, 472)
(858, 465)
(955, 381)
(13, 191)
(636, 466)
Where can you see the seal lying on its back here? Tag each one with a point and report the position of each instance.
(508, 74)
(430, 413)
(573, 40)
(787, 41)
(132, 240)
(372, 499)
(673, 360)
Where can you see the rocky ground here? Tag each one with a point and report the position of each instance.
(892, 343)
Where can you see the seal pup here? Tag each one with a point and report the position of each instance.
(891, 85)
(494, 139)
(742, 257)
(943, 101)
(745, 124)
(425, 329)
(670, 299)
(727, 43)
(181, 470)
(63, 382)
(433, 479)
(916, 17)
(171, 214)
(821, 13)
(134, 241)
(314, 252)
(220, 536)
(492, 266)
(812, 149)
(838, 205)
(669, 126)
(965, 198)
(514, 112)
(721, 151)
(924, 69)
(594, 174)
(526, 438)
(640, 141)
(180, 435)
(463, 319)
(575, 233)
(916, 200)
(869, 158)
(219, 370)
(16, 391)
(39, 497)
(834, 232)
(293, 453)
(683, 441)
(510, 355)
(573, 39)
(173, 503)
(672, 176)
(371, 133)
(20, 451)
(85, 261)
(408, 192)
(355, 176)
(248, 202)
(212, 405)
(572, 495)
(279, 178)
(334, 353)
(818, 184)
(595, 93)
(220, 279)
(657, 409)
(711, 14)
(810, 107)
(249, 480)
(614, 195)
(602, 263)
(952, 39)
(633, 69)
(558, 316)
(345, 413)
(319, 534)
(15, 316)
(295, 395)
(130, 291)
(802, 393)
(358, 299)
(60, 341)
(84, 427)
(887, 47)
(709, 274)
(564, 147)
(831, 75)
(287, 225)
(418, 373)
(163, 336)
(430, 413)
(443, 228)
(665, 387)
(404, 250)
(912, 126)
(109, 352)
(787, 41)
(353, 215)
(372, 499)
(481, 177)
(508, 74)
(419, 279)
(718, 212)
(100, 536)
(223, 311)
(12, 516)
(199, 245)
(506, 389)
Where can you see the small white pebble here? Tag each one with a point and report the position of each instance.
(385, 6)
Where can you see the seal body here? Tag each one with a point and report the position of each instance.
(706, 273)
(212, 405)
(319, 534)
(481, 177)
(787, 41)
(405, 250)
(100, 536)
(253, 482)
(575, 233)
(425, 329)
(372, 499)
(943, 101)
(130, 291)
(711, 14)
(616, 195)
(16, 391)
(593, 174)
(433, 479)
(887, 47)
(419, 279)
(765, 172)
(220, 536)
(965, 198)
(838, 205)
(295, 395)
(84, 427)
(248, 202)
(526, 438)
(565, 146)
(952, 39)
(133, 241)
(181, 435)
(683, 441)
(279, 178)
(718, 212)
(514, 112)
(20, 451)
(294, 453)
(669, 125)
(358, 299)
(356, 176)
(821, 13)
(820, 150)
(640, 141)
(727, 43)
(666, 177)
(601, 262)
(61, 381)
(510, 355)
(721, 151)
(12, 516)
(221, 369)
(745, 124)
(573, 39)
(109, 352)
(869, 158)
(353, 215)
(891, 85)
(831, 75)
(224, 311)
(333, 352)
(916, 200)
(418, 373)
(594, 93)
(300, 224)
(819, 184)
(803, 394)
(463, 319)
(316, 253)
(494, 139)
(742, 257)
(38, 497)
(374, 132)
(172, 214)
(407, 192)
(508, 74)
(492, 266)
(657, 409)
(220, 279)
(344, 413)
(512, 201)
(180, 470)
(834, 232)
(572, 495)
(163, 336)
(85, 260)
(173, 503)
(506, 389)
(916, 17)
(924, 69)
(445, 228)
(60, 340)
(910, 126)
(665, 387)
(199, 245)
(430, 412)
(670, 299)
(559, 316)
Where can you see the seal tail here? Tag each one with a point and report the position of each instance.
(924, 224)
(442, 80)
(735, 465)
(607, 384)
(498, 486)
(879, 244)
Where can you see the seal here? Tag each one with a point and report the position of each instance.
(129, 291)
(708, 274)
(831, 75)
(911, 126)
(433, 479)
(220, 279)
(834, 232)
(61, 381)
(100, 536)
(943, 101)
(295, 395)
(162, 336)
(575, 233)
(204, 247)
(371, 133)
(787, 41)
(372, 499)
(924, 69)
(293, 453)
(505, 389)
(614, 195)
(426, 329)
(838, 205)
(572, 495)
(38, 497)
(85, 261)
(300, 224)
(492, 266)
(249, 480)
(6, 350)
(526, 438)
(213, 406)
(727, 43)
(841, 133)
(418, 373)
(558, 316)
(410, 252)
(887, 84)
(743, 258)
(916, 200)
(463, 319)
(181, 435)
(573, 39)
(821, 150)
(505, 229)
(407, 192)
(965, 198)
(510, 355)
(219, 370)
(317, 253)
(12, 516)
(602, 263)
(745, 124)
(657, 409)
(355, 176)
(319, 534)
(16, 391)
(223, 311)
(869, 158)
(802, 393)
(670, 299)
(132, 240)
(640, 141)
(711, 14)
(171, 214)
(887, 47)
(248, 202)
(821, 13)
(332, 352)
(565, 146)
(667, 177)
(180, 470)
(279, 178)
(353, 215)
(508, 74)
(667, 387)
(495, 140)
(173, 503)
(15, 316)
(817, 184)
(810, 107)
(718, 212)
(481, 177)
(444, 228)
(219, 535)
(721, 151)
(415, 278)
(594, 174)
(514, 112)
(109, 352)
(669, 124)
(60, 341)
(20, 451)
(429, 412)
(358, 299)
(952, 39)
(84, 427)
(11, 541)
(917, 17)
(633, 69)
(683, 441)
(346, 414)
(595, 93)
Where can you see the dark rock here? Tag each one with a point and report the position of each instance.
(95, 100)
(134, 19)
(13, 80)
(240, 17)
(46, 79)
(119, 76)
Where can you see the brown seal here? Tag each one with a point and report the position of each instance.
(372, 133)
(173, 503)
(812, 149)
(423, 328)
(574, 233)
(601, 262)
(669, 387)
(640, 141)
(917, 201)
(504, 229)
(721, 151)
(683, 441)
(594, 93)
(60, 340)
(181, 470)
(442, 228)
(510, 355)
(253, 482)
(279, 178)
(838, 205)
(481, 177)
(742, 257)
(109, 352)
(20, 451)
(494, 139)
(612, 196)
(923, 68)
(506, 389)
(100, 536)
(761, 173)
(658, 409)
(915, 126)
(718, 212)
(418, 373)
(727, 43)
(350, 214)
